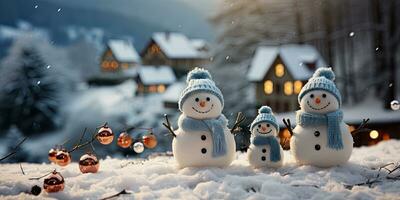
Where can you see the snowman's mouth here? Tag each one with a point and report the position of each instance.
(265, 132)
(308, 103)
(202, 112)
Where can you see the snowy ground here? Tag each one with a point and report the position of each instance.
(159, 177)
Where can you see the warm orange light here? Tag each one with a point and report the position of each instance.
(279, 70)
(114, 65)
(374, 134)
(286, 133)
(297, 86)
(352, 128)
(386, 136)
(125, 65)
(153, 88)
(288, 88)
(268, 87)
(161, 88)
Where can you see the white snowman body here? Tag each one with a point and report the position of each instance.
(195, 148)
(309, 145)
(259, 156)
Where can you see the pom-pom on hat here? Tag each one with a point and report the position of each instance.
(321, 80)
(199, 80)
(265, 115)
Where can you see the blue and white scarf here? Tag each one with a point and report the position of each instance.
(332, 120)
(214, 126)
(275, 152)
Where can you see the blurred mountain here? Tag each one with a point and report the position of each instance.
(118, 18)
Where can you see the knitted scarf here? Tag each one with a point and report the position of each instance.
(332, 120)
(214, 126)
(275, 153)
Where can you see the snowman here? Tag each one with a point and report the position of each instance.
(203, 138)
(321, 138)
(265, 150)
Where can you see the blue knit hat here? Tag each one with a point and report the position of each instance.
(199, 80)
(321, 80)
(265, 115)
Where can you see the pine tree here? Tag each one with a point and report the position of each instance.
(28, 94)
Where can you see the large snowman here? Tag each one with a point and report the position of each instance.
(203, 138)
(321, 138)
(264, 150)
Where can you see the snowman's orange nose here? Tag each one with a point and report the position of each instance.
(317, 100)
(263, 128)
(202, 104)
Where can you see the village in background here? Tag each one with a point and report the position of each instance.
(260, 53)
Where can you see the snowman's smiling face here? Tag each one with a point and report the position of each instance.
(202, 106)
(319, 101)
(264, 129)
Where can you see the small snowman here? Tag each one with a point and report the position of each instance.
(203, 138)
(265, 150)
(321, 138)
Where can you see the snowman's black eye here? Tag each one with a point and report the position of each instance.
(267, 125)
(197, 99)
(311, 96)
(208, 98)
(259, 126)
(324, 95)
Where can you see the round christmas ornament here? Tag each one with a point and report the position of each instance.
(138, 147)
(105, 135)
(63, 158)
(52, 155)
(265, 150)
(321, 138)
(149, 141)
(54, 182)
(88, 163)
(203, 138)
(124, 140)
(395, 105)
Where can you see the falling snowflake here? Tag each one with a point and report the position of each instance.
(301, 64)
(36, 6)
(48, 67)
(59, 10)
(227, 57)
(38, 83)
(351, 34)
(377, 48)
(233, 22)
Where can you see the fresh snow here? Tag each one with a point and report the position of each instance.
(174, 91)
(124, 51)
(159, 177)
(176, 45)
(294, 57)
(152, 75)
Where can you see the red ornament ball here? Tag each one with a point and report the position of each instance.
(88, 163)
(105, 135)
(124, 140)
(54, 182)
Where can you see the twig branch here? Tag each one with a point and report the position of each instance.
(116, 195)
(239, 119)
(168, 126)
(22, 170)
(38, 178)
(288, 125)
(361, 128)
(15, 149)
(79, 145)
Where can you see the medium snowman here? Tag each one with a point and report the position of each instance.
(320, 138)
(203, 138)
(265, 150)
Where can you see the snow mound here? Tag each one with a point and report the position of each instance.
(159, 177)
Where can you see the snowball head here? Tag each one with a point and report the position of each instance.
(264, 129)
(324, 72)
(202, 105)
(198, 73)
(319, 101)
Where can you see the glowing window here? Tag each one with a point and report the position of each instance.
(114, 65)
(268, 87)
(374, 134)
(161, 88)
(288, 88)
(279, 70)
(125, 65)
(153, 88)
(297, 86)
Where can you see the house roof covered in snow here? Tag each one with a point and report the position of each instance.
(174, 91)
(293, 57)
(176, 45)
(123, 51)
(152, 75)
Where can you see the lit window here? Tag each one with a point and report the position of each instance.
(125, 65)
(374, 134)
(161, 88)
(268, 87)
(297, 86)
(152, 88)
(114, 65)
(288, 88)
(279, 70)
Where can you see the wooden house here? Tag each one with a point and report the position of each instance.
(119, 55)
(279, 73)
(175, 50)
(172, 94)
(154, 79)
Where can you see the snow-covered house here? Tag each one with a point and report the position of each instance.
(175, 50)
(119, 54)
(154, 79)
(172, 94)
(279, 73)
